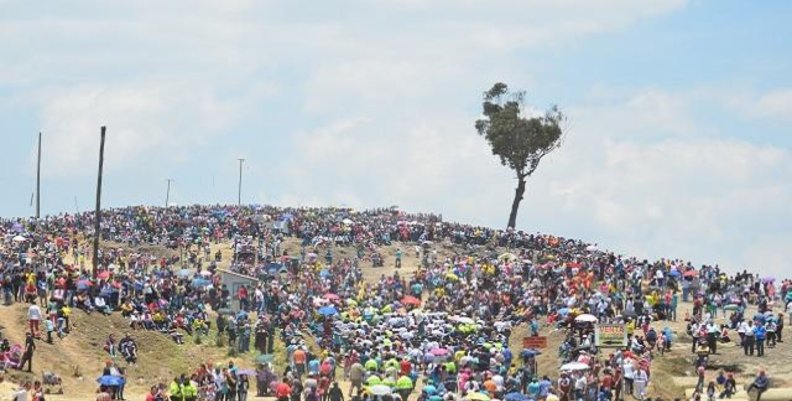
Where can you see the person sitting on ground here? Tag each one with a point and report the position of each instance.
(175, 335)
(110, 345)
(128, 349)
(101, 306)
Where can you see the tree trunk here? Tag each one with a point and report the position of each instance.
(518, 196)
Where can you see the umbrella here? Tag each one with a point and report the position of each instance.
(586, 318)
(477, 397)
(464, 320)
(103, 275)
(83, 284)
(439, 352)
(563, 311)
(331, 297)
(328, 310)
(380, 389)
(452, 277)
(109, 380)
(516, 396)
(199, 282)
(507, 256)
(246, 372)
(19, 238)
(265, 358)
(410, 300)
(206, 273)
(530, 353)
(731, 307)
(183, 273)
(690, 273)
(572, 366)
(768, 279)
(348, 222)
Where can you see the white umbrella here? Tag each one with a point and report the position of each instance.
(464, 320)
(348, 222)
(380, 389)
(19, 238)
(574, 366)
(586, 318)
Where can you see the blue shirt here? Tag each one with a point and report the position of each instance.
(760, 332)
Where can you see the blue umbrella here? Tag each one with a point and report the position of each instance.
(530, 353)
(675, 273)
(108, 380)
(515, 396)
(563, 311)
(184, 273)
(328, 310)
(199, 282)
(273, 268)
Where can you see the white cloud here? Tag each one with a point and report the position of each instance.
(147, 125)
(626, 178)
(775, 104)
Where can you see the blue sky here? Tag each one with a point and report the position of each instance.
(678, 142)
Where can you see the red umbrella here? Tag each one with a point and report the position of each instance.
(411, 300)
(103, 275)
(690, 273)
(331, 297)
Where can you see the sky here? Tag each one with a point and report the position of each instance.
(677, 145)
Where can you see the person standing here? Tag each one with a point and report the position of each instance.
(760, 333)
(283, 390)
(748, 341)
(779, 327)
(641, 382)
(27, 356)
(34, 318)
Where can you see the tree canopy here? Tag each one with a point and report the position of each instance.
(519, 141)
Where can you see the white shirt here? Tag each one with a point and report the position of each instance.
(20, 395)
(629, 371)
(34, 312)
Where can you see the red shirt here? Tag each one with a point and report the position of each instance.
(282, 390)
(405, 366)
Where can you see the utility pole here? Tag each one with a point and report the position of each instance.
(167, 194)
(239, 196)
(38, 180)
(97, 214)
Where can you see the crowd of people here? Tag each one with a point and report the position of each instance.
(440, 332)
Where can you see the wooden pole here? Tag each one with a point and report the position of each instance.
(167, 193)
(239, 195)
(38, 180)
(97, 214)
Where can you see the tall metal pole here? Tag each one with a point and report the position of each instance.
(239, 195)
(167, 194)
(38, 180)
(97, 215)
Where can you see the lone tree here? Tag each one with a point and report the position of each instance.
(519, 141)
